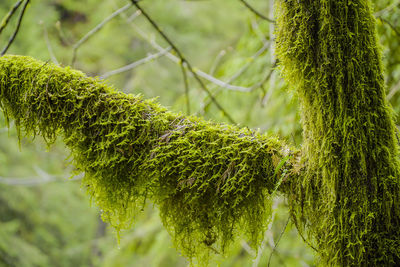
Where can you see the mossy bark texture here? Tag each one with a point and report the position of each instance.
(210, 181)
(348, 201)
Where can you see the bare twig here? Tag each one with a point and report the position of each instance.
(94, 30)
(394, 90)
(247, 248)
(255, 26)
(277, 241)
(271, 89)
(135, 64)
(267, 235)
(386, 9)
(186, 83)
(38, 180)
(49, 46)
(252, 9)
(7, 18)
(12, 38)
(248, 64)
(217, 61)
(242, 70)
(271, 76)
(220, 83)
(266, 44)
(390, 25)
(183, 60)
(266, 78)
(199, 72)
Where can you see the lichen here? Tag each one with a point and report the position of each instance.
(211, 182)
(348, 201)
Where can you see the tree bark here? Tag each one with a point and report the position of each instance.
(348, 200)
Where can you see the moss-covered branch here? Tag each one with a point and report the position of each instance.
(210, 181)
(350, 203)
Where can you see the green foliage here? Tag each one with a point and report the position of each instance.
(211, 181)
(348, 200)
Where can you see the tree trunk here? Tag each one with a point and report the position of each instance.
(348, 200)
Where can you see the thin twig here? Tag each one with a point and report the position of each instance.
(217, 61)
(394, 90)
(183, 60)
(386, 9)
(252, 9)
(35, 181)
(271, 89)
(135, 64)
(247, 248)
(271, 76)
(248, 64)
(134, 16)
(9, 16)
(251, 60)
(199, 72)
(12, 38)
(94, 30)
(242, 70)
(255, 26)
(267, 235)
(390, 25)
(277, 241)
(49, 46)
(266, 78)
(220, 83)
(186, 83)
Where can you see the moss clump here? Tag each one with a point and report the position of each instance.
(211, 181)
(348, 201)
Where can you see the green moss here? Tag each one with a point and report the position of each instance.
(349, 198)
(213, 182)
(210, 181)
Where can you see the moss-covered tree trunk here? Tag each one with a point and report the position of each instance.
(349, 198)
(213, 181)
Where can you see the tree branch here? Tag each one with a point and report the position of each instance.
(209, 180)
(9, 15)
(12, 38)
(199, 72)
(186, 84)
(183, 60)
(258, 14)
(135, 64)
(94, 30)
(394, 29)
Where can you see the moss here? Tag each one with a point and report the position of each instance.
(213, 181)
(348, 201)
(210, 181)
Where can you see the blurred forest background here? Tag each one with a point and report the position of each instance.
(46, 219)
